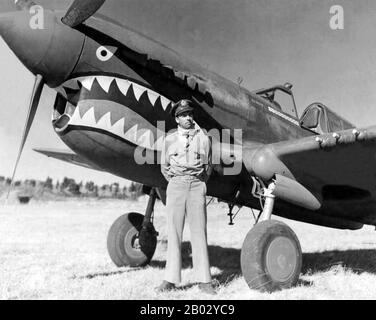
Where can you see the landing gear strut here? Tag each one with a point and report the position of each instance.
(271, 257)
(147, 236)
(132, 238)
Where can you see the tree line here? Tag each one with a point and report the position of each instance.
(69, 187)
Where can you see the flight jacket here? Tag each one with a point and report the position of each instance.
(186, 153)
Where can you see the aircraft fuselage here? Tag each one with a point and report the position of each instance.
(119, 95)
(115, 86)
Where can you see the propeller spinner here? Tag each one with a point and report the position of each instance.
(51, 63)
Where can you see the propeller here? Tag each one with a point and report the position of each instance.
(34, 102)
(80, 11)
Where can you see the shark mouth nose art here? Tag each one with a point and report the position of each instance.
(114, 106)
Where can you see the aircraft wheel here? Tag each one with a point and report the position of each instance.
(271, 257)
(123, 244)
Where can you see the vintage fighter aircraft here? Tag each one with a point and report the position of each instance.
(113, 86)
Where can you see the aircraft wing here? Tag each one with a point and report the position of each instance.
(68, 156)
(337, 168)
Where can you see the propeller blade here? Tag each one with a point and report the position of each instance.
(24, 4)
(80, 11)
(37, 92)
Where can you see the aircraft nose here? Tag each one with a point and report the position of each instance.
(45, 46)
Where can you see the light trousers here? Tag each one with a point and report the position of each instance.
(186, 197)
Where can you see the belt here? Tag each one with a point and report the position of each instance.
(186, 178)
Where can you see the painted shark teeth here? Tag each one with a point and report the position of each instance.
(152, 97)
(138, 91)
(142, 137)
(105, 121)
(89, 118)
(145, 138)
(105, 82)
(88, 82)
(84, 114)
(76, 116)
(123, 85)
(165, 102)
(131, 134)
(118, 128)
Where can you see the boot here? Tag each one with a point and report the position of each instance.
(165, 286)
(207, 288)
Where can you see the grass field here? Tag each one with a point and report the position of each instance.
(57, 250)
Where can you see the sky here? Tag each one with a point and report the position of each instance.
(264, 42)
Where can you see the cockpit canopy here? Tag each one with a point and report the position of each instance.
(280, 98)
(320, 119)
(316, 117)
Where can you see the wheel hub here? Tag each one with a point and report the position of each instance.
(131, 243)
(281, 259)
(136, 243)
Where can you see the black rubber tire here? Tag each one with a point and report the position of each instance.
(120, 242)
(271, 257)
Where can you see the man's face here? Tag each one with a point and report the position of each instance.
(185, 120)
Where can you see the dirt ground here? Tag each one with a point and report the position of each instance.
(57, 250)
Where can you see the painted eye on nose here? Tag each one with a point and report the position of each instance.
(105, 53)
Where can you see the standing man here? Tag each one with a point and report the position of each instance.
(186, 165)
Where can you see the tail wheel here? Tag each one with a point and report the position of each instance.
(123, 243)
(271, 257)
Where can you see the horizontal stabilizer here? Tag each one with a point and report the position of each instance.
(68, 156)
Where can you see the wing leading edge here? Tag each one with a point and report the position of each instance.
(337, 168)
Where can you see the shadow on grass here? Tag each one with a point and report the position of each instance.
(225, 259)
(358, 261)
(106, 274)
